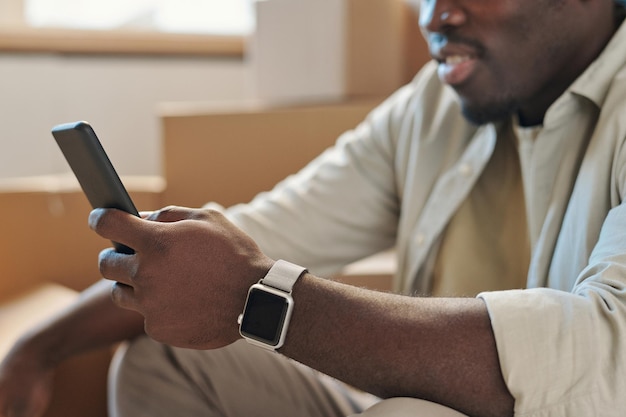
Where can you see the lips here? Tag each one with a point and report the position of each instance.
(458, 58)
(456, 69)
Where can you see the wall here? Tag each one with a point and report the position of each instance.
(118, 95)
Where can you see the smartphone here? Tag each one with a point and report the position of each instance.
(93, 169)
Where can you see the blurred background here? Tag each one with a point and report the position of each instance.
(111, 62)
(115, 63)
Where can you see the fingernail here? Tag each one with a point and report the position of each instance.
(94, 217)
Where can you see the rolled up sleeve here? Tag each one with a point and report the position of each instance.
(564, 354)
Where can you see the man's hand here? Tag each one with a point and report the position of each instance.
(189, 275)
(25, 383)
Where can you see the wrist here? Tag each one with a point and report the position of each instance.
(269, 305)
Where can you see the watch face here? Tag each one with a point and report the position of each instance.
(264, 316)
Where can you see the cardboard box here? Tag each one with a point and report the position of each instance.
(45, 236)
(305, 51)
(228, 155)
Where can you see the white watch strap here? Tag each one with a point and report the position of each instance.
(283, 275)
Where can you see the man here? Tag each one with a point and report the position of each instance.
(503, 162)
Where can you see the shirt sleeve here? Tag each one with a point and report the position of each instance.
(341, 207)
(564, 354)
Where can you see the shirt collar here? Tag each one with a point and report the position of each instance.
(594, 84)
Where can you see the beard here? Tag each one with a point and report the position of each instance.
(480, 114)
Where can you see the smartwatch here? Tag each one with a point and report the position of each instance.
(268, 308)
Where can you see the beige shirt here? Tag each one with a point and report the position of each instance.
(400, 177)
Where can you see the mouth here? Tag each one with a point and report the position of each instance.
(455, 59)
(456, 69)
(458, 57)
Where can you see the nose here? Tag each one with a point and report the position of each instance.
(437, 15)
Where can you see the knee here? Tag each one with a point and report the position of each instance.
(130, 361)
(409, 407)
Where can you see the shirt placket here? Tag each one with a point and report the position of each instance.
(446, 197)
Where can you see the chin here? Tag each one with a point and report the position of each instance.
(480, 115)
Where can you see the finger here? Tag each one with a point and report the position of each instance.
(144, 215)
(122, 227)
(172, 214)
(124, 296)
(117, 266)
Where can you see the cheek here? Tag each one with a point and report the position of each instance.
(525, 45)
(512, 66)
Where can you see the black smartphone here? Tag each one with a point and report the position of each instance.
(93, 169)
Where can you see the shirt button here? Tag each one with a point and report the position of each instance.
(420, 239)
(466, 170)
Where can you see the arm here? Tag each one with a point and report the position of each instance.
(442, 350)
(190, 276)
(564, 353)
(26, 373)
(93, 321)
(344, 201)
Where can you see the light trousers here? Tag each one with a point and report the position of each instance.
(148, 379)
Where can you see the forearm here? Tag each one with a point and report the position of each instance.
(442, 350)
(91, 322)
